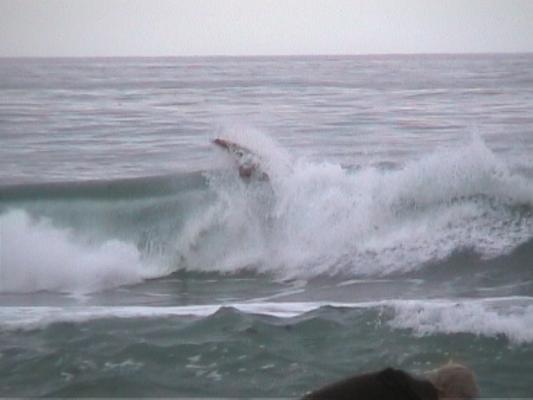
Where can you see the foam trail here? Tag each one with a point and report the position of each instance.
(37, 256)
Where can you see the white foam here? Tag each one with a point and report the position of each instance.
(373, 281)
(509, 317)
(35, 256)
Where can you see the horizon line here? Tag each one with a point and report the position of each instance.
(273, 55)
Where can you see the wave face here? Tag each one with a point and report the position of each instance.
(310, 220)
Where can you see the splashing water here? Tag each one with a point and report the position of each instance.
(318, 218)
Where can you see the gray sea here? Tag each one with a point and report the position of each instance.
(395, 229)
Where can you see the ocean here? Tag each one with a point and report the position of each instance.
(395, 227)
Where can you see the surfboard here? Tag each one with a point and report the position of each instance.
(248, 161)
(236, 150)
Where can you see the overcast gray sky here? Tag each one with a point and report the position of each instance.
(246, 27)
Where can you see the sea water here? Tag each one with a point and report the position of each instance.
(395, 229)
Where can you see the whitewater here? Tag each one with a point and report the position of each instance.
(396, 226)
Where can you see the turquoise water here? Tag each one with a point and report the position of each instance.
(396, 227)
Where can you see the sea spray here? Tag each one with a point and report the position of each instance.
(36, 256)
(321, 219)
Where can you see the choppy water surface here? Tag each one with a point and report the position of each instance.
(396, 227)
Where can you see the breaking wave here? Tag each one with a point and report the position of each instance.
(309, 220)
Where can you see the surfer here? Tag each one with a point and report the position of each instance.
(453, 381)
(246, 159)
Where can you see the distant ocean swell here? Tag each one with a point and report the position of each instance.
(310, 220)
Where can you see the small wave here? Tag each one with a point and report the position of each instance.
(509, 317)
(118, 189)
(38, 317)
